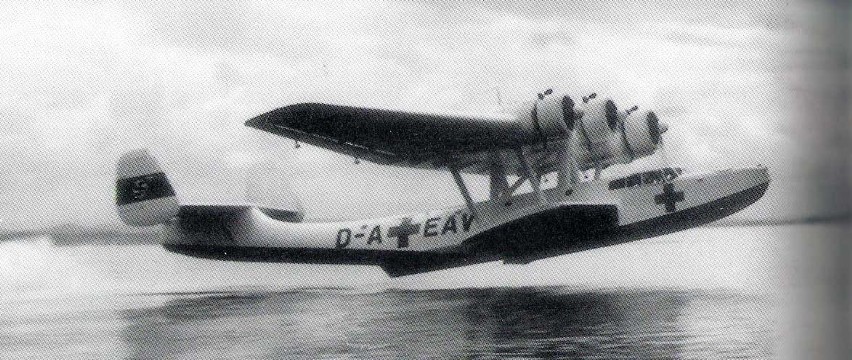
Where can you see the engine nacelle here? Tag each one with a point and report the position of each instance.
(642, 134)
(600, 134)
(555, 116)
(636, 135)
(597, 132)
(550, 119)
(600, 120)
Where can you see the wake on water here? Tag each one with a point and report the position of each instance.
(706, 292)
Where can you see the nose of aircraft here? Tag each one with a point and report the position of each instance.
(758, 177)
(761, 174)
(749, 185)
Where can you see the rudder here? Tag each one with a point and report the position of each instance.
(143, 194)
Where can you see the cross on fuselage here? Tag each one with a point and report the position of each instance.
(669, 197)
(402, 231)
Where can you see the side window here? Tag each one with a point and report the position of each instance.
(632, 180)
(616, 184)
(652, 177)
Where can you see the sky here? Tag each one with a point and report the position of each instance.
(83, 82)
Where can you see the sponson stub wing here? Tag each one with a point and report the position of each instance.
(401, 138)
(559, 230)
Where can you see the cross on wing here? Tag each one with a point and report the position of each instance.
(405, 138)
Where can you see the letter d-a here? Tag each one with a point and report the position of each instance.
(343, 237)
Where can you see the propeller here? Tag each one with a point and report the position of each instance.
(590, 97)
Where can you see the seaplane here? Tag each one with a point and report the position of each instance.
(552, 135)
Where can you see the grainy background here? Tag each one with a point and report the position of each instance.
(739, 83)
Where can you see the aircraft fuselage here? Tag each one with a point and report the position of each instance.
(517, 229)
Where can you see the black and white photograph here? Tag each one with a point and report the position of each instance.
(425, 179)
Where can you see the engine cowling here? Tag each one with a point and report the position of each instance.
(601, 135)
(642, 133)
(597, 129)
(636, 135)
(600, 120)
(555, 116)
(550, 119)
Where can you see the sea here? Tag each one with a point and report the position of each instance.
(705, 293)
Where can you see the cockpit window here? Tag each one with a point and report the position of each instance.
(616, 184)
(671, 174)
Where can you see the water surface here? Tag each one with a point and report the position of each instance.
(703, 293)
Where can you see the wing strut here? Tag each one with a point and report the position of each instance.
(497, 173)
(567, 173)
(525, 168)
(597, 170)
(460, 183)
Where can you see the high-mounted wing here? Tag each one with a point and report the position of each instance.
(392, 137)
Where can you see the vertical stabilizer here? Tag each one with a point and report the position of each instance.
(143, 194)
